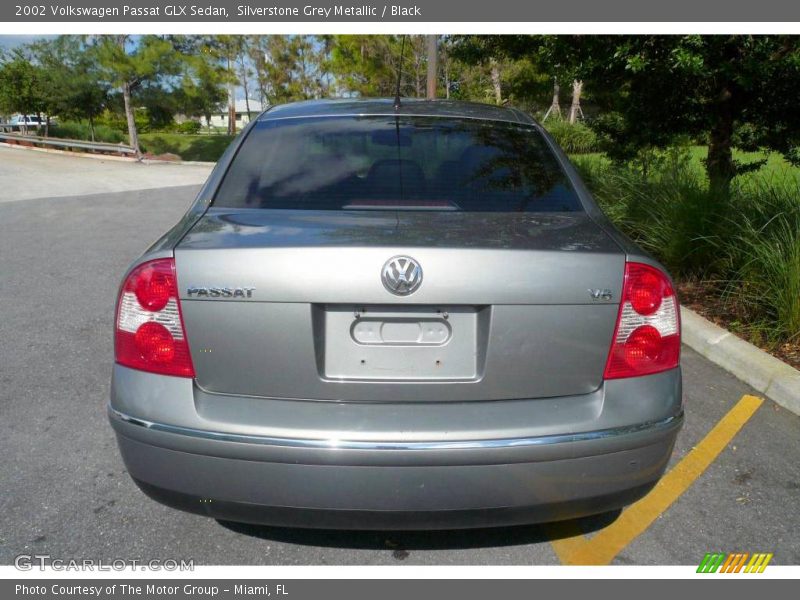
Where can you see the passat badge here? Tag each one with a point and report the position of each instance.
(220, 292)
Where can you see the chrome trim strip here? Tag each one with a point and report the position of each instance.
(334, 444)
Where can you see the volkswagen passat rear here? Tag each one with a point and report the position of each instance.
(377, 316)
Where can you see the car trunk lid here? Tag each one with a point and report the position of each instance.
(512, 305)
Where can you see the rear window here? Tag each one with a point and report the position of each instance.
(396, 163)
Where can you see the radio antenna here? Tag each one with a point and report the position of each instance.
(399, 74)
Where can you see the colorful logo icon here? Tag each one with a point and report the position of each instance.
(734, 562)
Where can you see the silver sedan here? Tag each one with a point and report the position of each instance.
(380, 316)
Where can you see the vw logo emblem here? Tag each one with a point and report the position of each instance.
(401, 275)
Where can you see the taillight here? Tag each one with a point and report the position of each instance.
(647, 338)
(149, 332)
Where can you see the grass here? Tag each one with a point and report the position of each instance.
(747, 242)
(201, 147)
(776, 169)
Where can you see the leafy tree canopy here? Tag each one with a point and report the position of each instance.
(724, 90)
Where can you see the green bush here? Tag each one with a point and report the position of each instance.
(763, 253)
(665, 208)
(748, 241)
(576, 138)
(119, 122)
(80, 131)
(188, 127)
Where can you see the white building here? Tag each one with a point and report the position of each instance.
(220, 119)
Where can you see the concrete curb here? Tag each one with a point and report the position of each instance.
(772, 377)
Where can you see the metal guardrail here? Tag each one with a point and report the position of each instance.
(36, 140)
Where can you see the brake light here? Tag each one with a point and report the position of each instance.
(647, 338)
(149, 332)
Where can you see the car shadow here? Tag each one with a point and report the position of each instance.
(402, 541)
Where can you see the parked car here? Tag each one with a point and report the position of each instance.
(380, 316)
(20, 122)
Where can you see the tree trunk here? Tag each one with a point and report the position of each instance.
(432, 67)
(719, 165)
(447, 79)
(417, 79)
(245, 87)
(231, 110)
(575, 108)
(91, 126)
(133, 135)
(261, 94)
(496, 83)
(47, 126)
(231, 100)
(555, 105)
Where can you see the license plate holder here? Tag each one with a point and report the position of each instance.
(388, 343)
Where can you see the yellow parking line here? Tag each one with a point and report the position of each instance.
(603, 547)
(565, 538)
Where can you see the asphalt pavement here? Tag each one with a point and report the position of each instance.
(65, 492)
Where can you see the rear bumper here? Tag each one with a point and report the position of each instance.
(400, 484)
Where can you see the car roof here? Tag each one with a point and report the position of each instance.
(385, 106)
